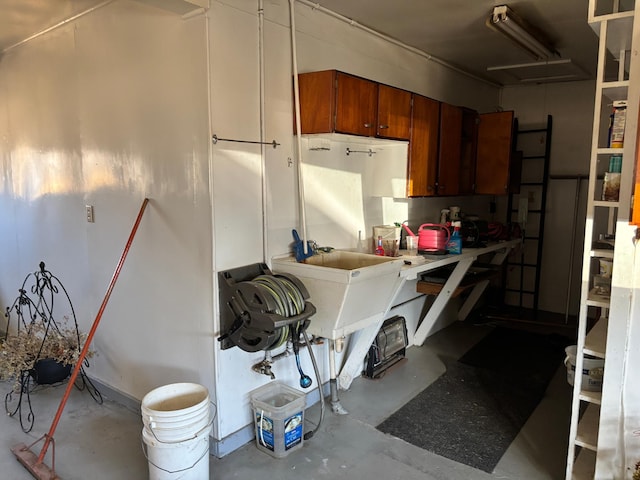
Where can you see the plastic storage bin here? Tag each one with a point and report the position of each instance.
(278, 411)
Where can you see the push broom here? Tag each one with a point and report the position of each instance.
(31, 461)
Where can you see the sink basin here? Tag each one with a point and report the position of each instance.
(349, 290)
(347, 260)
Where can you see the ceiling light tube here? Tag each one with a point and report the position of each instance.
(504, 20)
(543, 63)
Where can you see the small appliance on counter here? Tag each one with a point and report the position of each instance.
(474, 233)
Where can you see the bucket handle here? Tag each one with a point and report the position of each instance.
(213, 416)
(144, 451)
(208, 426)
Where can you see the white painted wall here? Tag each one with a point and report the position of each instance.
(571, 106)
(120, 105)
(87, 118)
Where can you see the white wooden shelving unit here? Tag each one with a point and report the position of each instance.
(613, 22)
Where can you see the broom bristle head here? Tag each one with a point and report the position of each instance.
(30, 461)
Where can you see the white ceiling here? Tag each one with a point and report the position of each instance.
(455, 31)
(451, 30)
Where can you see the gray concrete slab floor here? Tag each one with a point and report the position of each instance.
(101, 442)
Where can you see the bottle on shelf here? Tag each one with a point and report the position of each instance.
(379, 248)
(455, 242)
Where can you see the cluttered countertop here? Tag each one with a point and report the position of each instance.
(417, 264)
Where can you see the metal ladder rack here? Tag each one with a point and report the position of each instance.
(515, 213)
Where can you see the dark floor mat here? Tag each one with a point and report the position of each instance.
(472, 413)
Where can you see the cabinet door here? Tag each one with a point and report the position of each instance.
(635, 206)
(394, 113)
(317, 101)
(468, 151)
(493, 160)
(423, 147)
(635, 198)
(450, 149)
(356, 105)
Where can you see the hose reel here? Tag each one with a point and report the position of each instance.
(258, 308)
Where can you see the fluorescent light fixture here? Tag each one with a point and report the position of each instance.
(544, 63)
(505, 21)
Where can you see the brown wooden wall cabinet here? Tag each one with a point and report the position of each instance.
(332, 101)
(467, 182)
(442, 149)
(449, 157)
(423, 147)
(452, 150)
(394, 113)
(494, 169)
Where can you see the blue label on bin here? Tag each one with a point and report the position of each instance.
(293, 431)
(264, 431)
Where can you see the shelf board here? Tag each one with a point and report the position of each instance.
(591, 397)
(620, 27)
(596, 341)
(615, 90)
(468, 281)
(584, 467)
(587, 435)
(595, 300)
(597, 18)
(601, 253)
(609, 151)
(605, 203)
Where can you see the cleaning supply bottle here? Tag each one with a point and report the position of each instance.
(454, 245)
(379, 248)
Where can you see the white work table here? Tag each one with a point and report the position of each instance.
(362, 339)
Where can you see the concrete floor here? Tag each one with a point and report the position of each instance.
(102, 442)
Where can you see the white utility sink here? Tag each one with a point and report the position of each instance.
(347, 260)
(349, 290)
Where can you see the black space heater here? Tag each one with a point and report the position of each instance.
(388, 348)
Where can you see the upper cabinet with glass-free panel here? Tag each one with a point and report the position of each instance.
(496, 169)
(423, 147)
(333, 101)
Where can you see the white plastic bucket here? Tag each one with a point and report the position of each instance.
(592, 370)
(176, 412)
(187, 460)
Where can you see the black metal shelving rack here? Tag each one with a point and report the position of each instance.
(541, 184)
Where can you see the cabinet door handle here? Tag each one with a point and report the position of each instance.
(430, 188)
(384, 126)
(367, 125)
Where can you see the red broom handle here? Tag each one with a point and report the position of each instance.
(85, 348)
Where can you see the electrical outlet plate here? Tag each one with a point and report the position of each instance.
(89, 210)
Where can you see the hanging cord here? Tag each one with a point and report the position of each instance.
(310, 434)
(305, 380)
